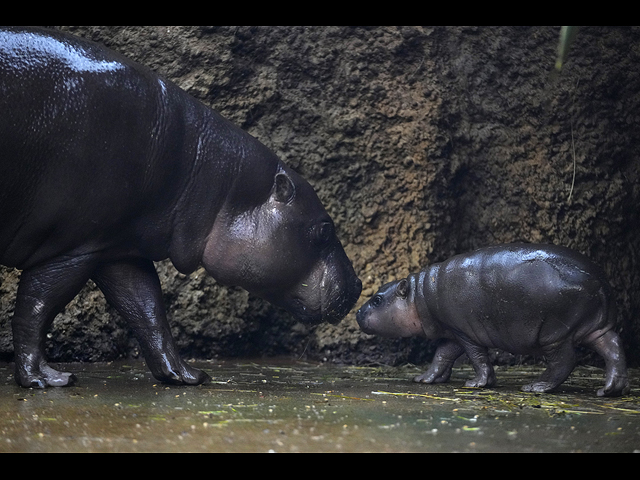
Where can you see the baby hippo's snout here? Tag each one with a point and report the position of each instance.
(361, 319)
(390, 312)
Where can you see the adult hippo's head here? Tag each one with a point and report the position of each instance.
(284, 249)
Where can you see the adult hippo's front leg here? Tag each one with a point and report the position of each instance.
(133, 288)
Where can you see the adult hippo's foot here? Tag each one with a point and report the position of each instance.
(183, 374)
(44, 377)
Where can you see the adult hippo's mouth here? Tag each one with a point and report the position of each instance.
(334, 313)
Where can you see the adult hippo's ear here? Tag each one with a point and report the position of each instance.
(284, 189)
(402, 289)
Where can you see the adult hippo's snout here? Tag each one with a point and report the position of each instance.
(329, 300)
(337, 312)
(332, 309)
(326, 294)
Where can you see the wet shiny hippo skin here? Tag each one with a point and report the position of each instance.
(105, 167)
(521, 298)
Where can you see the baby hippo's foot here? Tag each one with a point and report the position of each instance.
(435, 374)
(539, 387)
(615, 387)
(483, 380)
(43, 377)
(556, 373)
(428, 377)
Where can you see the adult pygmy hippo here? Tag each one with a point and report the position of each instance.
(525, 299)
(106, 167)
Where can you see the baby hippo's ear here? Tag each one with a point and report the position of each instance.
(402, 289)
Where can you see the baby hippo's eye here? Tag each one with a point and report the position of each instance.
(322, 233)
(376, 301)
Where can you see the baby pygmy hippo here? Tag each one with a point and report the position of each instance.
(521, 298)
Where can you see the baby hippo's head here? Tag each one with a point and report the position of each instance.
(391, 312)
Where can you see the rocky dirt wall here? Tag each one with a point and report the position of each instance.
(421, 141)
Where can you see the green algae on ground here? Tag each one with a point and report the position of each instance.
(287, 406)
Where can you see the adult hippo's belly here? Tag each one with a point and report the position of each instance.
(106, 167)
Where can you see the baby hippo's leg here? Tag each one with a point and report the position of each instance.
(479, 357)
(609, 346)
(440, 369)
(561, 359)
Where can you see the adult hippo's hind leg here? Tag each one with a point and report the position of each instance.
(133, 288)
(43, 292)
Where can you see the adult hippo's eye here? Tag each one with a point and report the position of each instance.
(322, 233)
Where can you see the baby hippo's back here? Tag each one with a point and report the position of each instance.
(519, 297)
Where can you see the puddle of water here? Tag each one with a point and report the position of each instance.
(278, 405)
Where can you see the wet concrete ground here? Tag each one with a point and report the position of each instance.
(278, 405)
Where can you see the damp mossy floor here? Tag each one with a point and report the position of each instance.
(279, 405)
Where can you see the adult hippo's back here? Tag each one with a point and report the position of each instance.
(106, 167)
